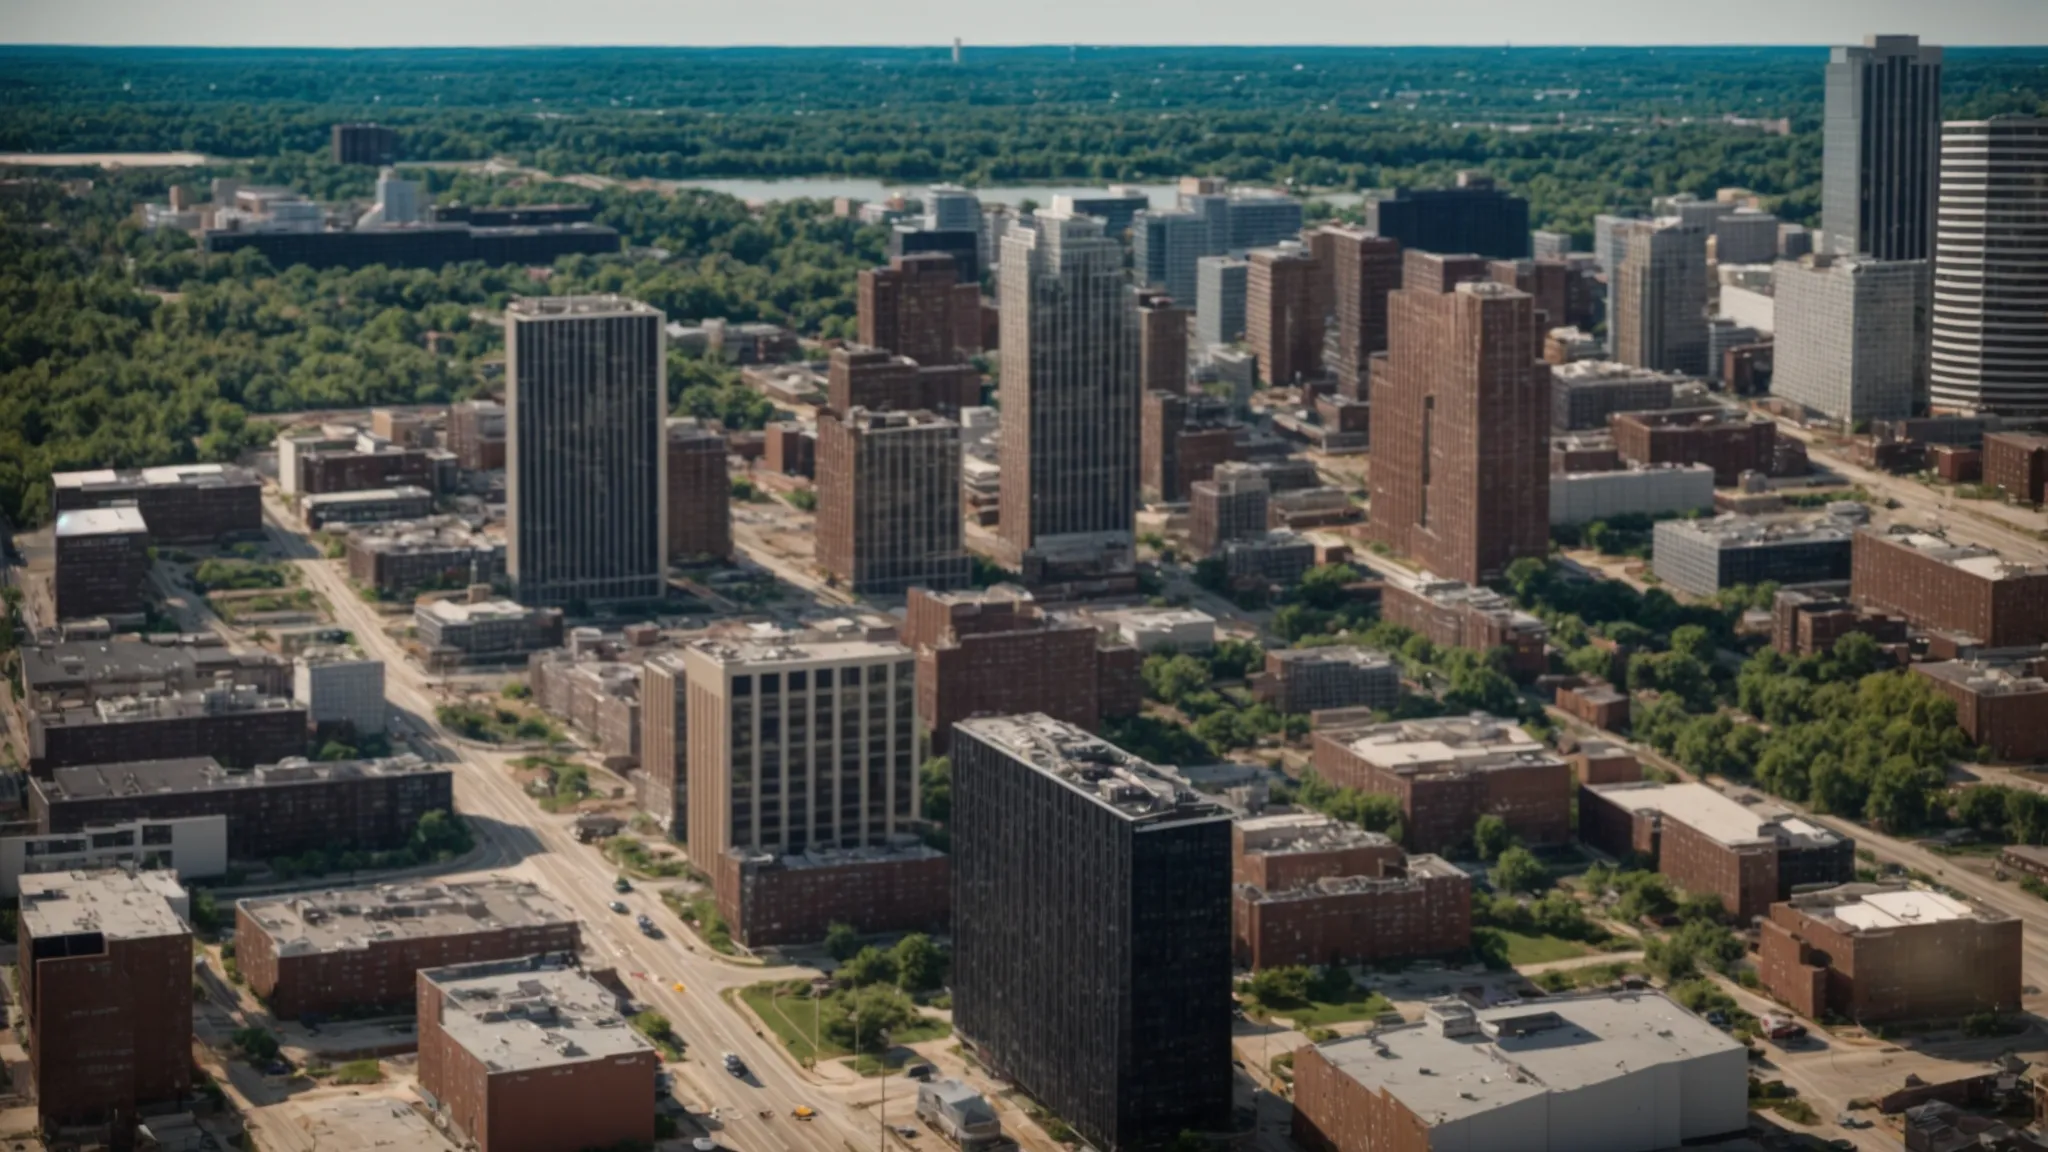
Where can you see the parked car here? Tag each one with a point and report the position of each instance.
(619, 906)
(919, 1071)
(622, 885)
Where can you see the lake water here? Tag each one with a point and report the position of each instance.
(830, 187)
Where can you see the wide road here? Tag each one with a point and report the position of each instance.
(514, 831)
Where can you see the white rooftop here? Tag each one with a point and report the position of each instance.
(515, 1016)
(459, 612)
(101, 521)
(1475, 741)
(121, 905)
(1697, 806)
(1902, 907)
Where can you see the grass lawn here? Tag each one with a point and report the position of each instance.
(789, 1015)
(1525, 949)
(1360, 1005)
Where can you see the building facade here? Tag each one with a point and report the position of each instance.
(1364, 268)
(1474, 216)
(1990, 325)
(920, 307)
(699, 492)
(181, 503)
(1881, 146)
(1220, 287)
(1284, 314)
(1852, 337)
(1878, 955)
(102, 563)
(1963, 590)
(1450, 771)
(889, 501)
(1659, 319)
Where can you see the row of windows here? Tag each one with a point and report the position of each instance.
(771, 682)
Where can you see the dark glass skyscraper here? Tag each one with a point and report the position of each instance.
(586, 457)
(1091, 929)
(1882, 148)
(1473, 217)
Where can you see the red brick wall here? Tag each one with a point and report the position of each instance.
(592, 1104)
(2014, 726)
(1430, 917)
(1051, 671)
(110, 1030)
(1280, 871)
(1892, 577)
(1335, 1113)
(1729, 449)
(1611, 715)
(1439, 809)
(770, 905)
(2017, 463)
(1614, 829)
(1608, 768)
(1782, 962)
(1745, 879)
(1938, 971)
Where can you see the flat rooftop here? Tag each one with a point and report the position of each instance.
(592, 305)
(1475, 743)
(354, 919)
(1413, 872)
(1458, 594)
(1459, 1062)
(1984, 679)
(118, 904)
(1733, 530)
(1715, 418)
(1606, 373)
(462, 612)
(165, 706)
(1878, 907)
(53, 667)
(1975, 559)
(842, 857)
(1134, 789)
(204, 774)
(515, 1015)
(1697, 806)
(175, 475)
(794, 649)
(366, 496)
(1305, 832)
(101, 522)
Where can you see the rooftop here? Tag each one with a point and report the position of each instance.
(518, 1015)
(1406, 875)
(1334, 654)
(1146, 618)
(49, 667)
(842, 857)
(1697, 806)
(1475, 743)
(428, 533)
(121, 905)
(203, 774)
(794, 648)
(187, 475)
(461, 612)
(1710, 417)
(1972, 558)
(365, 496)
(1460, 1062)
(1878, 907)
(593, 305)
(1732, 530)
(354, 919)
(101, 521)
(1138, 791)
(1456, 593)
(157, 705)
(1305, 832)
(1984, 679)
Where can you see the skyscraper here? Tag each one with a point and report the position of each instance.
(1852, 336)
(1364, 269)
(1162, 343)
(1117, 206)
(1991, 268)
(1461, 470)
(1219, 300)
(951, 208)
(1660, 297)
(1284, 309)
(1881, 144)
(586, 456)
(1473, 217)
(1164, 248)
(889, 501)
(919, 307)
(1069, 384)
(1091, 940)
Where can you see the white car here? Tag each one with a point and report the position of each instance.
(703, 1144)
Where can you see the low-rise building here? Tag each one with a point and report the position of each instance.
(1650, 490)
(235, 725)
(106, 992)
(1229, 505)
(1704, 556)
(333, 952)
(599, 698)
(1453, 614)
(525, 1056)
(2003, 708)
(102, 563)
(193, 847)
(486, 630)
(1182, 439)
(1165, 629)
(346, 458)
(1727, 441)
(285, 809)
(1277, 558)
(340, 687)
(1708, 843)
(404, 556)
(769, 899)
(1310, 889)
(1965, 591)
(1308, 679)
(1807, 619)
(1585, 392)
(960, 1114)
(1621, 1072)
(2016, 463)
(1879, 955)
(1598, 762)
(406, 502)
(181, 503)
(476, 434)
(1449, 771)
(1596, 702)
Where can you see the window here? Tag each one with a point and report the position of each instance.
(156, 833)
(849, 676)
(797, 681)
(743, 685)
(824, 677)
(771, 682)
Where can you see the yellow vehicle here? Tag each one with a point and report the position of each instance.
(802, 1112)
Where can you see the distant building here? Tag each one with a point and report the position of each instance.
(1284, 313)
(1990, 323)
(1878, 955)
(525, 1056)
(106, 992)
(1549, 245)
(1448, 772)
(1965, 591)
(1729, 442)
(1881, 148)
(2002, 708)
(1230, 505)
(2016, 463)
(1658, 318)
(1363, 269)
(699, 492)
(346, 458)
(181, 503)
(371, 144)
(340, 687)
(102, 563)
(1117, 207)
(338, 952)
(889, 501)
(401, 556)
(239, 726)
(1583, 394)
(1704, 556)
(1745, 236)
(486, 630)
(772, 899)
(414, 246)
(1162, 342)
(1583, 497)
(1124, 1031)
(1807, 619)
(1474, 216)
(1709, 844)
(1183, 439)
(963, 244)
(869, 378)
(921, 307)
(407, 502)
(1220, 289)
(1452, 614)
(1619, 1071)
(1167, 247)
(1852, 337)
(1303, 680)
(1165, 629)
(476, 434)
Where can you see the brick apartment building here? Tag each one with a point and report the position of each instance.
(2016, 463)
(1880, 955)
(1807, 619)
(1707, 843)
(102, 563)
(699, 493)
(1232, 504)
(237, 726)
(920, 307)
(995, 652)
(771, 900)
(1967, 592)
(597, 697)
(1728, 442)
(886, 382)
(1299, 680)
(476, 434)
(286, 809)
(182, 503)
(1182, 439)
(327, 953)
(1545, 281)
(1449, 771)
(355, 470)
(1308, 889)
(106, 990)
(1163, 327)
(1452, 614)
(664, 742)
(525, 1056)
(1596, 702)
(791, 448)
(2004, 709)
(397, 557)
(889, 501)
(1362, 270)
(1284, 311)
(1598, 762)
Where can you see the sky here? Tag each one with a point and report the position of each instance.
(710, 23)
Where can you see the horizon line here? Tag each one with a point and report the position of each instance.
(947, 46)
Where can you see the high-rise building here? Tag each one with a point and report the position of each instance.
(1660, 297)
(889, 501)
(1091, 939)
(1473, 217)
(1162, 343)
(1069, 384)
(1184, 437)
(102, 563)
(1991, 267)
(1881, 144)
(1364, 269)
(664, 741)
(1852, 336)
(858, 377)
(1230, 505)
(1165, 246)
(798, 742)
(586, 459)
(962, 244)
(920, 307)
(1219, 300)
(1261, 219)
(1550, 245)
(1284, 314)
(699, 492)
(1116, 207)
(1610, 241)
(1745, 236)
(364, 144)
(951, 208)
(1461, 471)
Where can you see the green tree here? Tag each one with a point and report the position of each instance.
(1490, 837)
(1324, 585)
(1518, 870)
(920, 966)
(841, 941)
(862, 1016)
(870, 965)
(935, 786)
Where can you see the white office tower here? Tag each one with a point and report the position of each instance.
(339, 687)
(1881, 144)
(1221, 283)
(1659, 296)
(951, 208)
(1991, 268)
(1070, 385)
(1610, 240)
(1851, 336)
(1165, 246)
(398, 201)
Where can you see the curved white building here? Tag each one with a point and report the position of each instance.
(1990, 330)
